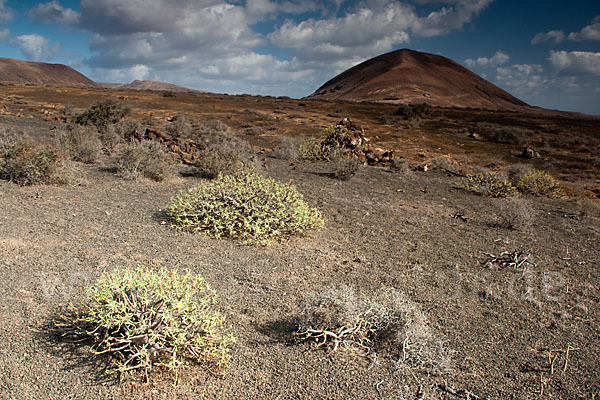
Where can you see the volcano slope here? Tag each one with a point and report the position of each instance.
(498, 332)
(412, 77)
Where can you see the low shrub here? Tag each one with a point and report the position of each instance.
(143, 159)
(246, 206)
(146, 319)
(214, 126)
(288, 148)
(26, 164)
(342, 317)
(310, 149)
(444, 164)
(514, 214)
(224, 154)
(414, 111)
(335, 138)
(487, 184)
(399, 165)
(539, 183)
(103, 113)
(179, 127)
(81, 143)
(344, 167)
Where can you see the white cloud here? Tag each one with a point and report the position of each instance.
(257, 10)
(498, 59)
(6, 13)
(590, 32)
(36, 47)
(449, 18)
(522, 78)
(4, 34)
(54, 12)
(575, 62)
(551, 36)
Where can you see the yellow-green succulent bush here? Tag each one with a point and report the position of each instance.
(539, 183)
(147, 319)
(247, 206)
(487, 184)
(334, 139)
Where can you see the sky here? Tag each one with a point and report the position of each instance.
(545, 53)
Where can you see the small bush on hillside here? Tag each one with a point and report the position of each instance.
(25, 164)
(516, 171)
(179, 127)
(214, 126)
(399, 165)
(146, 319)
(288, 148)
(444, 164)
(103, 113)
(539, 183)
(344, 167)
(515, 214)
(144, 159)
(341, 317)
(123, 131)
(335, 138)
(414, 111)
(81, 143)
(487, 184)
(246, 206)
(224, 154)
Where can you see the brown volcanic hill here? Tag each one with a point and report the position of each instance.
(17, 71)
(152, 85)
(409, 77)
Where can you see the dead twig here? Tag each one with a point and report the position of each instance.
(467, 394)
(515, 260)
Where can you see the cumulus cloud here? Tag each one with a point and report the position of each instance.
(590, 32)
(6, 13)
(575, 62)
(257, 10)
(551, 36)
(522, 77)
(449, 18)
(36, 47)
(53, 12)
(498, 59)
(4, 34)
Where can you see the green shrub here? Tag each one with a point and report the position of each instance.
(360, 323)
(310, 149)
(103, 113)
(25, 164)
(246, 206)
(146, 319)
(487, 184)
(539, 183)
(144, 159)
(81, 143)
(414, 111)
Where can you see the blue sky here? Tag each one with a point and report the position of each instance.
(546, 53)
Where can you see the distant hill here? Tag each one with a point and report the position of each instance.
(411, 77)
(151, 85)
(17, 71)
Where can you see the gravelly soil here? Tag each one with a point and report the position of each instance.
(411, 231)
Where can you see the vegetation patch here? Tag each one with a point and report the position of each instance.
(224, 153)
(26, 164)
(146, 319)
(246, 206)
(143, 159)
(345, 137)
(487, 184)
(81, 143)
(103, 113)
(539, 183)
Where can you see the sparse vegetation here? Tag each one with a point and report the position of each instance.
(344, 167)
(224, 154)
(103, 113)
(334, 139)
(81, 143)
(515, 214)
(26, 164)
(539, 183)
(414, 111)
(146, 319)
(144, 159)
(487, 184)
(179, 127)
(246, 206)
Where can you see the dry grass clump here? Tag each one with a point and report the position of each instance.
(288, 148)
(516, 171)
(146, 319)
(336, 138)
(414, 111)
(26, 164)
(399, 165)
(214, 126)
(539, 183)
(384, 321)
(445, 164)
(224, 154)
(103, 113)
(246, 206)
(81, 143)
(143, 159)
(487, 184)
(344, 167)
(515, 214)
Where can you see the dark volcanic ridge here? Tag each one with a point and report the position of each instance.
(411, 77)
(151, 85)
(29, 72)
